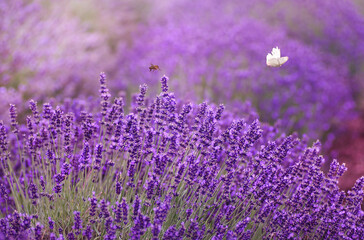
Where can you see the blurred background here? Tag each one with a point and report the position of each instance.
(211, 50)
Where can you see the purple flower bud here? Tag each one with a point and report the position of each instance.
(42, 182)
(219, 112)
(88, 126)
(108, 223)
(118, 212)
(105, 95)
(38, 231)
(125, 209)
(151, 184)
(3, 192)
(67, 132)
(136, 207)
(34, 109)
(71, 236)
(3, 138)
(26, 222)
(93, 203)
(47, 111)
(333, 168)
(53, 236)
(98, 156)
(57, 119)
(342, 169)
(77, 226)
(181, 231)
(171, 233)
(140, 98)
(33, 192)
(65, 169)
(85, 157)
(50, 223)
(58, 178)
(142, 223)
(111, 233)
(13, 115)
(164, 82)
(118, 188)
(88, 232)
(189, 213)
(104, 209)
(58, 188)
(30, 125)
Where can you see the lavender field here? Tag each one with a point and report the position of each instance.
(167, 120)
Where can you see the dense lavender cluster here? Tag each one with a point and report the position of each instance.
(166, 169)
(222, 58)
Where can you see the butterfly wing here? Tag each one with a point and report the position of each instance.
(282, 60)
(276, 52)
(269, 56)
(273, 62)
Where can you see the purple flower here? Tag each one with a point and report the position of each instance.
(136, 207)
(33, 192)
(13, 115)
(118, 212)
(88, 232)
(85, 157)
(34, 109)
(59, 178)
(118, 188)
(104, 212)
(93, 202)
(161, 212)
(164, 81)
(125, 209)
(171, 233)
(42, 182)
(58, 188)
(98, 157)
(67, 132)
(47, 111)
(240, 226)
(141, 225)
(71, 236)
(65, 169)
(111, 233)
(143, 90)
(50, 223)
(105, 95)
(38, 231)
(77, 225)
(53, 236)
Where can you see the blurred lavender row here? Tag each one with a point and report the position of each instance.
(217, 50)
(51, 49)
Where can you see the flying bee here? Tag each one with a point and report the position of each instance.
(153, 68)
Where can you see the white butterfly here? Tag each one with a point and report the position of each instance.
(274, 59)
